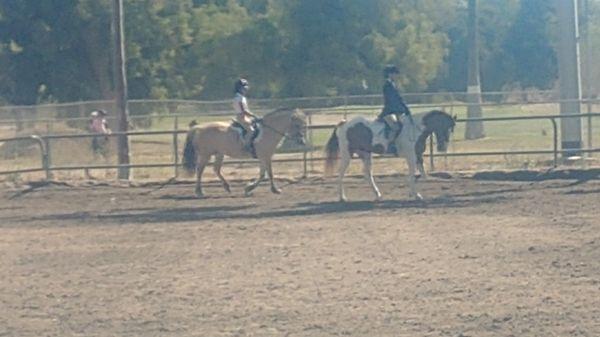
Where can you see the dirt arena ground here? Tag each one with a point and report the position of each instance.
(476, 258)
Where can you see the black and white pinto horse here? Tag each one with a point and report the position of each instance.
(364, 137)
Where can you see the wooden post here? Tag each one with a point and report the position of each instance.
(569, 73)
(473, 130)
(120, 79)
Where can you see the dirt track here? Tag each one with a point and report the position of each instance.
(477, 258)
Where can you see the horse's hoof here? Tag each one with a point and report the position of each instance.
(378, 198)
(418, 197)
(200, 196)
(343, 199)
(275, 190)
(227, 188)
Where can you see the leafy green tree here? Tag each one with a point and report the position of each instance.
(529, 45)
(43, 50)
(62, 50)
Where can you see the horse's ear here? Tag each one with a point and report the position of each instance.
(455, 117)
(193, 123)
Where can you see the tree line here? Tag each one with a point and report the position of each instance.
(60, 50)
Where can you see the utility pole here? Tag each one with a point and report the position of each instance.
(474, 130)
(569, 76)
(588, 71)
(120, 83)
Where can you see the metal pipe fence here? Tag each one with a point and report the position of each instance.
(46, 166)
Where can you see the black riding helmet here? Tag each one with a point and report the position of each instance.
(390, 69)
(241, 83)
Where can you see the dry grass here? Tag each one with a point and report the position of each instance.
(500, 136)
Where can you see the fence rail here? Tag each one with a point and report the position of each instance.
(47, 167)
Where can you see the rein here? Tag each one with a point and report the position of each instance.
(272, 128)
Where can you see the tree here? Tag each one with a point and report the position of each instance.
(529, 45)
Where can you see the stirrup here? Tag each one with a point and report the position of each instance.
(250, 149)
(392, 149)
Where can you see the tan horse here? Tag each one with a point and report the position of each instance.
(220, 139)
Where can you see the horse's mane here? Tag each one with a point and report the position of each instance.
(434, 113)
(280, 111)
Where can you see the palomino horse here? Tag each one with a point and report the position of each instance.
(221, 138)
(363, 137)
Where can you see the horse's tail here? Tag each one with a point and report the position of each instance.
(332, 150)
(189, 153)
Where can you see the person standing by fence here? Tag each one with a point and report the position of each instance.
(99, 126)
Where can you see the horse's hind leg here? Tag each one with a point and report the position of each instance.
(217, 168)
(368, 171)
(200, 165)
(274, 188)
(420, 166)
(344, 162)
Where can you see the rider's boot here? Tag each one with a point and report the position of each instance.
(394, 133)
(249, 144)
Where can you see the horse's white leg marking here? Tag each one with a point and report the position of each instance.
(411, 160)
(344, 154)
(217, 168)
(344, 162)
(368, 168)
(200, 165)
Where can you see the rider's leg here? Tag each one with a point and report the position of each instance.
(392, 121)
(247, 125)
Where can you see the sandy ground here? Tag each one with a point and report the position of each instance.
(476, 258)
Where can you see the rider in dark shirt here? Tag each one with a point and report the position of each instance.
(393, 104)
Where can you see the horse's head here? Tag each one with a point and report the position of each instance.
(442, 125)
(288, 122)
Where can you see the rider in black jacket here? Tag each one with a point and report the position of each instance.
(393, 105)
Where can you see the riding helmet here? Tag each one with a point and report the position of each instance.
(390, 69)
(241, 83)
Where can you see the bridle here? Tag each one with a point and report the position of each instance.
(261, 121)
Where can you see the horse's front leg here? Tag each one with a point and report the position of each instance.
(274, 188)
(251, 186)
(421, 167)
(411, 160)
(368, 171)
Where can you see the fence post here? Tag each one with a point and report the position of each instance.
(176, 146)
(308, 144)
(43, 143)
(555, 138)
(589, 127)
(345, 107)
(48, 158)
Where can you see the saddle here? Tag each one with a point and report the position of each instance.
(240, 128)
(255, 125)
(387, 132)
